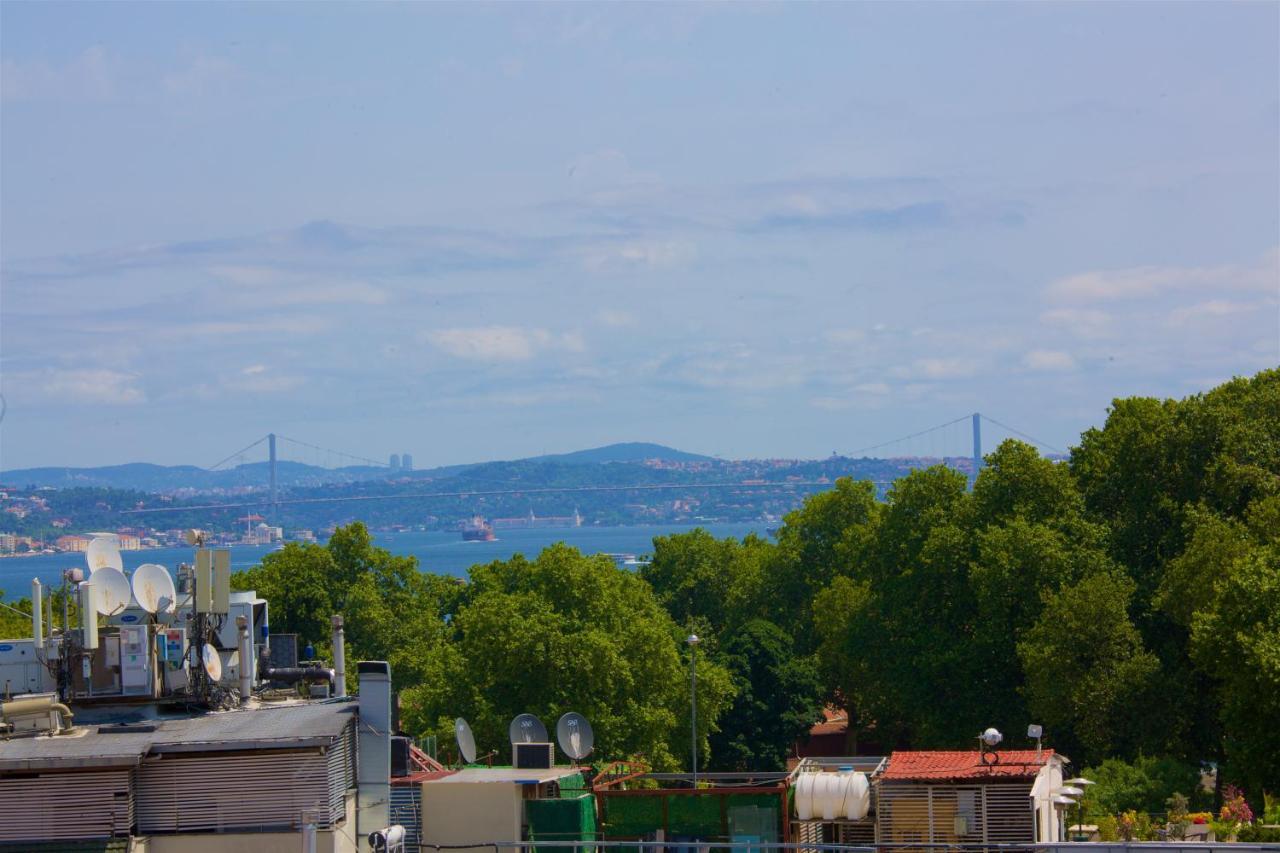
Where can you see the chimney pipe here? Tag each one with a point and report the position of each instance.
(339, 657)
(246, 660)
(37, 612)
(373, 747)
(89, 615)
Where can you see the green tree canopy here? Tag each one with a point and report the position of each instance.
(567, 632)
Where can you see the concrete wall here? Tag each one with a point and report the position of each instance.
(471, 813)
(328, 841)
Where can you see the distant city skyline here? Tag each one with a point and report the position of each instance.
(491, 232)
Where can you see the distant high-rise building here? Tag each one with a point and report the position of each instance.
(395, 462)
(406, 462)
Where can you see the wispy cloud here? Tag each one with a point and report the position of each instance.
(88, 386)
(1054, 361)
(501, 343)
(90, 76)
(1151, 281)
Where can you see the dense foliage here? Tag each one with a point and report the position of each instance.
(1128, 599)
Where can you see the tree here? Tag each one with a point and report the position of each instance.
(706, 583)
(778, 699)
(392, 611)
(828, 537)
(1236, 638)
(567, 632)
(1085, 666)
(1143, 785)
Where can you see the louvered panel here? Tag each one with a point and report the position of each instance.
(902, 813)
(341, 769)
(406, 810)
(51, 806)
(218, 793)
(856, 832)
(806, 832)
(1009, 815)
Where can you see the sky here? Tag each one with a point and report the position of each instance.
(478, 232)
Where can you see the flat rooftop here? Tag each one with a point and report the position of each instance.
(509, 775)
(294, 726)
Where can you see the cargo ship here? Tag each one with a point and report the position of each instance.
(478, 530)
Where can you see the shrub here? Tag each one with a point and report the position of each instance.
(1145, 785)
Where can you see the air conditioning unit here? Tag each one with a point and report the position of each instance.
(534, 756)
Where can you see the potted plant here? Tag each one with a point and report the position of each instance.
(1235, 814)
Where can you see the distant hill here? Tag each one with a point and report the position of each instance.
(631, 451)
(146, 477)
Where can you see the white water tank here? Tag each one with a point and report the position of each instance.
(804, 796)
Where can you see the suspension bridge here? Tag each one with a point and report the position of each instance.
(946, 443)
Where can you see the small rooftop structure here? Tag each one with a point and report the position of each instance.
(969, 797)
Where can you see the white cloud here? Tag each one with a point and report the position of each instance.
(1139, 282)
(501, 343)
(878, 388)
(203, 75)
(658, 254)
(254, 369)
(939, 368)
(1211, 309)
(91, 76)
(1049, 360)
(614, 319)
(1087, 323)
(93, 386)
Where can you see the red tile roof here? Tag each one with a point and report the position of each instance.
(834, 722)
(926, 766)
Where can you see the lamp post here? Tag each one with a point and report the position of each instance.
(693, 704)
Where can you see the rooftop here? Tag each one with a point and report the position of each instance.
(510, 775)
(969, 764)
(295, 726)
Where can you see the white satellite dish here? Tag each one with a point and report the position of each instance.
(526, 728)
(212, 663)
(153, 588)
(113, 590)
(104, 553)
(466, 740)
(991, 737)
(575, 736)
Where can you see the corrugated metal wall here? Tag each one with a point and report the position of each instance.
(406, 810)
(246, 791)
(341, 760)
(50, 806)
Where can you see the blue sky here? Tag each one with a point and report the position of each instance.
(475, 232)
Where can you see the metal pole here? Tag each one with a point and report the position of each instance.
(693, 705)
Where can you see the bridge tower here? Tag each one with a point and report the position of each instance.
(977, 449)
(271, 446)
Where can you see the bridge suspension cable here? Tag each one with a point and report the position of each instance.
(1021, 434)
(909, 437)
(239, 452)
(380, 464)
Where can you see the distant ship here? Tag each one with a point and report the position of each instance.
(478, 530)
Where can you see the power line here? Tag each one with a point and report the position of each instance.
(908, 437)
(1029, 438)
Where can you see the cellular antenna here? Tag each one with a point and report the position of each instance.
(575, 736)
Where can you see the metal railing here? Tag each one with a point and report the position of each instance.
(800, 847)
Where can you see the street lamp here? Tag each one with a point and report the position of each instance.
(693, 703)
(1080, 784)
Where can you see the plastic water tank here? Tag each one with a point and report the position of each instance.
(804, 796)
(859, 797)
